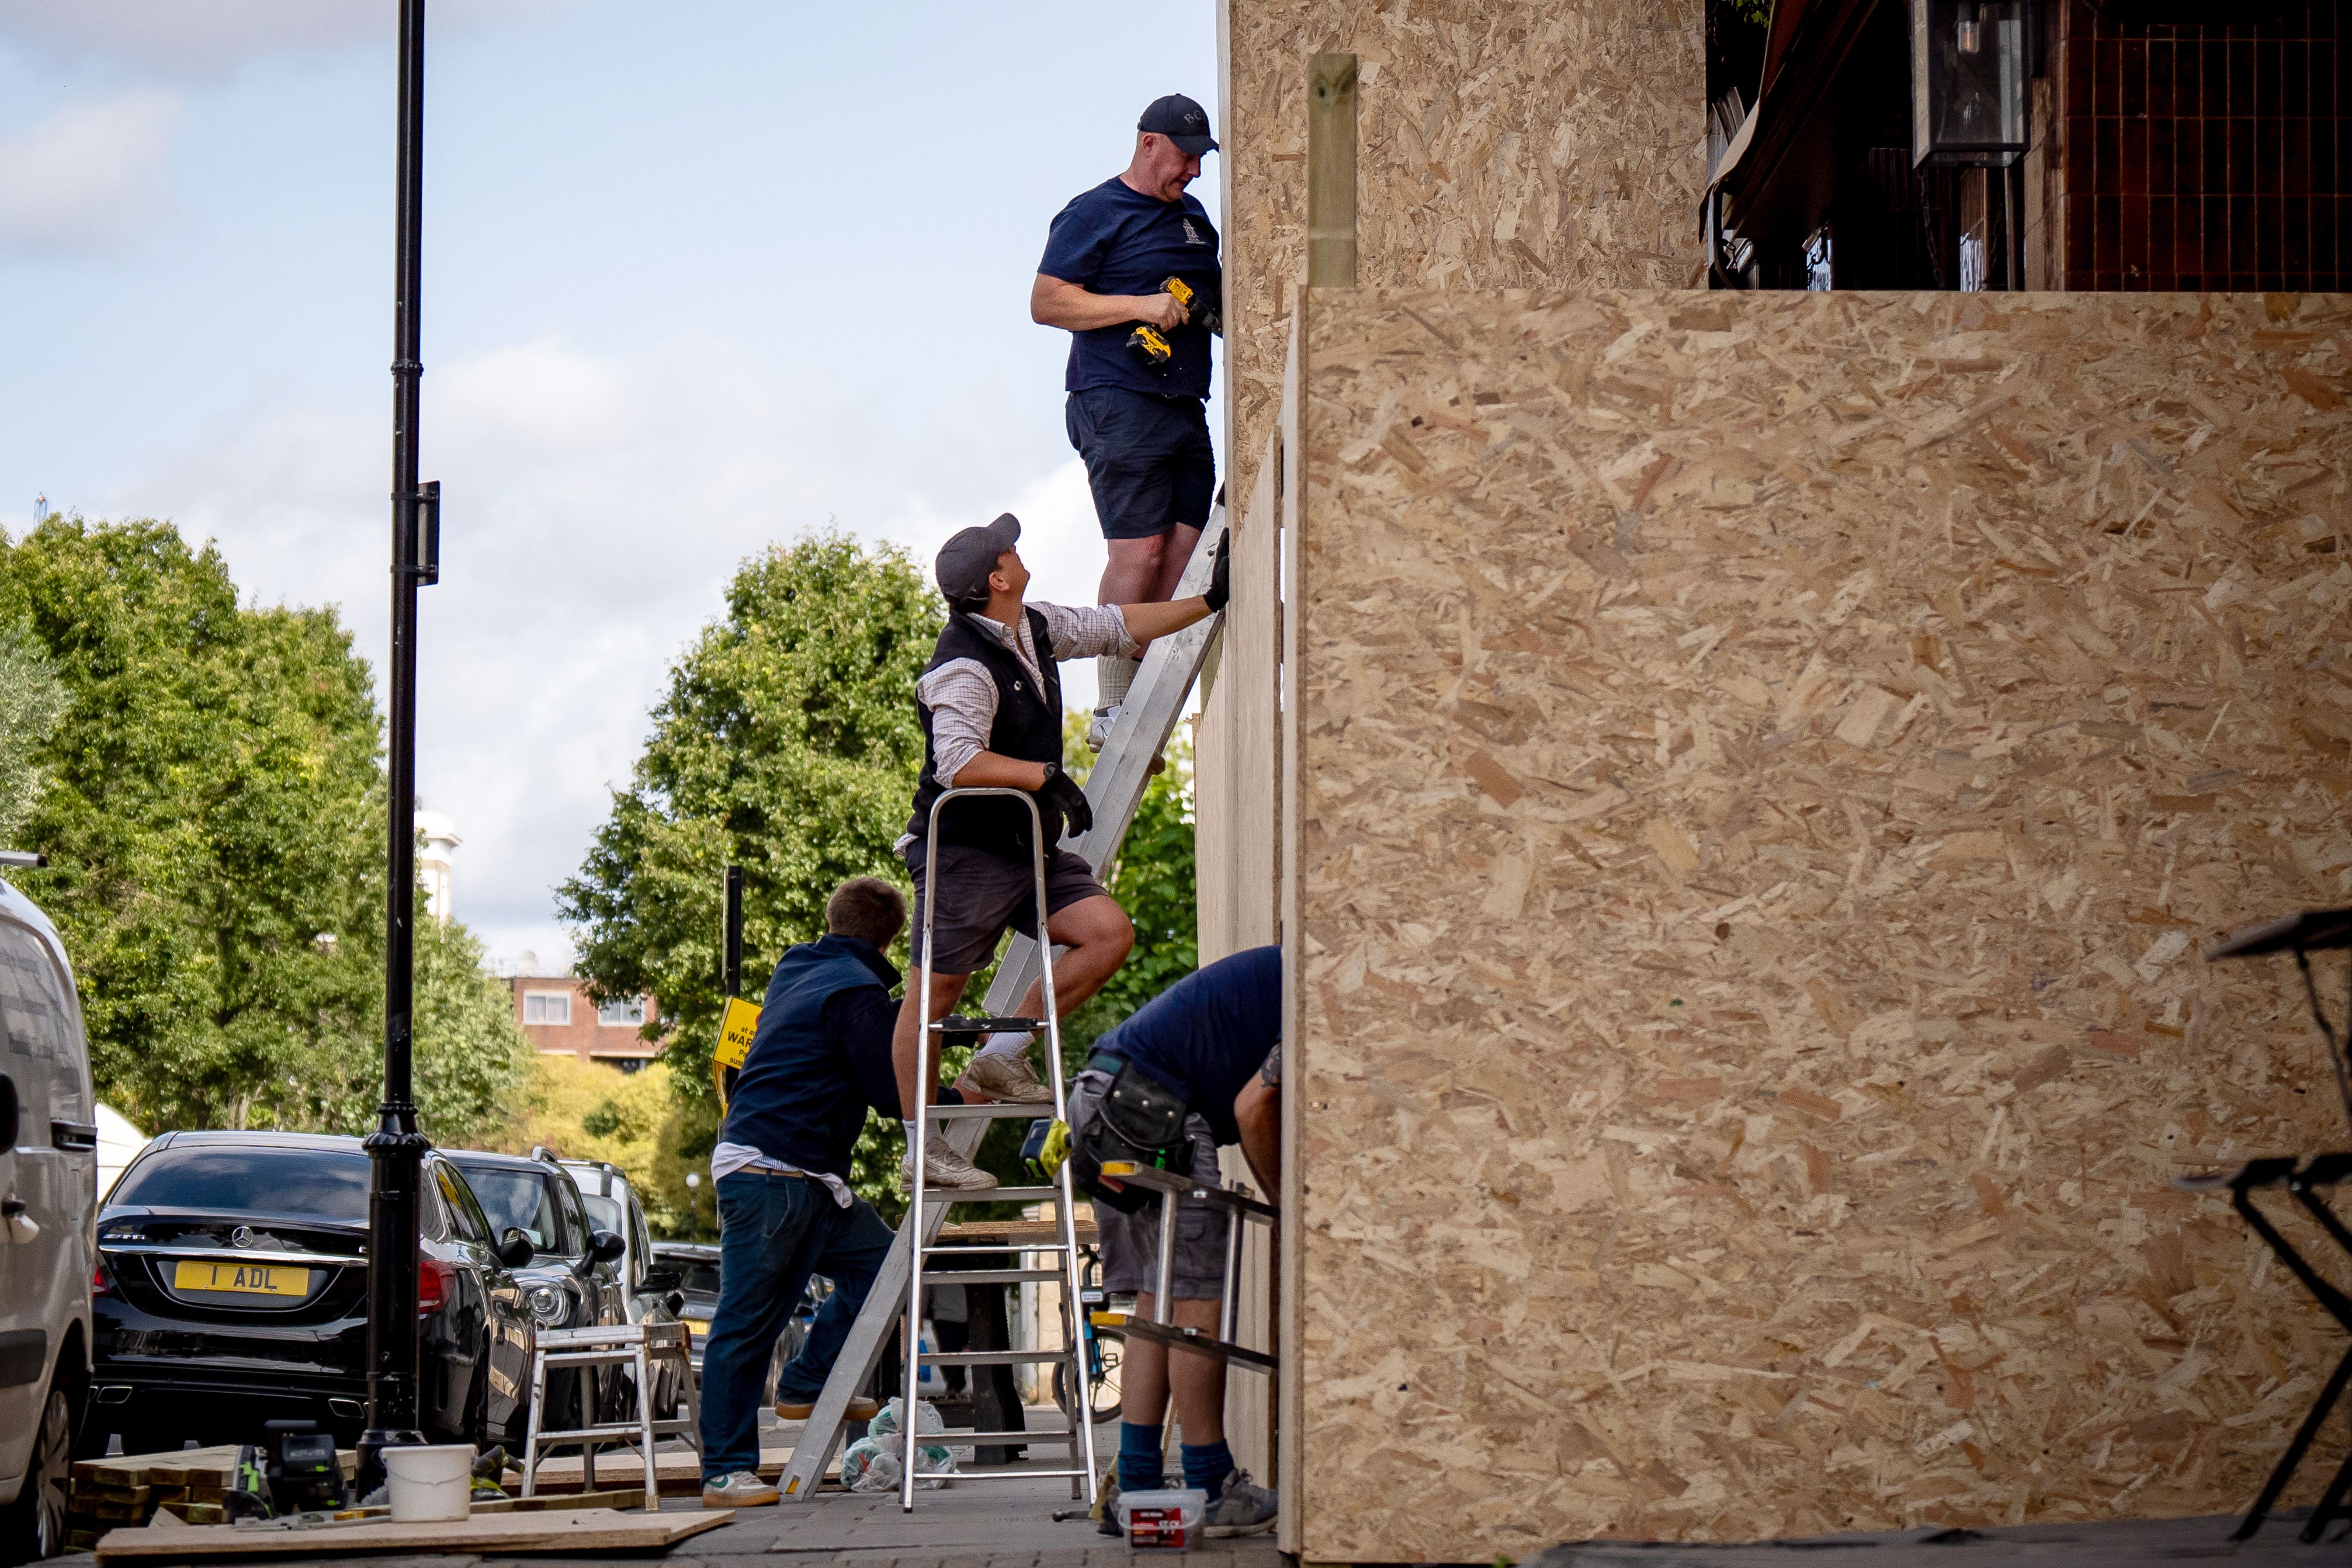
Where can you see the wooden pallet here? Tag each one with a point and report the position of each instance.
(570, 1531)
(107, 1495)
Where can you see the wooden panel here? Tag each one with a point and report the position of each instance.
(1503, 144)
(1765, 767)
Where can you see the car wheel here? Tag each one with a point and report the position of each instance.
(35, 1523)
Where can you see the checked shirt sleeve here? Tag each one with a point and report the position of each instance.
(962, 701)
(1086, 631)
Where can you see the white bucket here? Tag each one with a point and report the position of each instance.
(429, 1482)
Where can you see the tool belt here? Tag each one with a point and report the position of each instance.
(1141, 1121)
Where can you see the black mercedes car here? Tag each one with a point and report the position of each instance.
(572, 1277)
(232, 1289)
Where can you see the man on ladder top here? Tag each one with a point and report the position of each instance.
(781, 1171)
(1140, 361)
(991, 703)
(1206, 1055)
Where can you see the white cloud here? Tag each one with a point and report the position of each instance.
(183, 38)
(594, 508)
(88, 176)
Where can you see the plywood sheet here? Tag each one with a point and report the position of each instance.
(1764, 768)
(576, 1532)
(1504, 143)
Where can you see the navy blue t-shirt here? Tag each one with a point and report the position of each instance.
(1114, 239)
(1205, 1036)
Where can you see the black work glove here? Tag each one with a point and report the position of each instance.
(1060, 792)
(1221, 576)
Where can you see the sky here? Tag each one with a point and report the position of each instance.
(698, 278)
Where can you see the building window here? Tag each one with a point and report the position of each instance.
(547, 1008)
(623, 1015)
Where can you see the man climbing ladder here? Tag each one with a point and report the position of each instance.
(991, 704)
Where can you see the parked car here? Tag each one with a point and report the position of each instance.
(572, 1278)
(232, 1289)
(697, 1264)
(649, 1290)
(48, 1201)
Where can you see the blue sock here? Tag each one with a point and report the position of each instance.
(1138, 1458)
(1207, 1465)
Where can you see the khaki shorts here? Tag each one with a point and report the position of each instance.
(987, 895)
(1130, 1242)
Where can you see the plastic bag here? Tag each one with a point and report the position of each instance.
(872, 1465)
(885, 1422)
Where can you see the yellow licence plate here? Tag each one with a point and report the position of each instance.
(247, 1279)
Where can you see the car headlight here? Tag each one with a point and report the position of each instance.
(547, 1305)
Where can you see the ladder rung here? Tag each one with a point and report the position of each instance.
(992, 1358)
(956, 1437)
(986, 1252)
(989, 1275)
(1022, 1194)
(999, 1109)
(1168, 1335)
(581, 1433)
(974, 1024)
(1008, 1473)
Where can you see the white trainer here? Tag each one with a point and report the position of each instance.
(1008, 1079)
(944, 1169)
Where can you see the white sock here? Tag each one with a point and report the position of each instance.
(910, 1135)
(1114, 673)
(1006, 1043)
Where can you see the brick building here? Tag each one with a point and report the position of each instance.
(558, 1018)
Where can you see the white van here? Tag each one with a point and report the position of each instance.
(48, 1212)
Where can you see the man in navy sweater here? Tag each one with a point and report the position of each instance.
(782, 1172)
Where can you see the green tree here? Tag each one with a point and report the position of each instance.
(214, 824)
(32, 700)
(787, 744)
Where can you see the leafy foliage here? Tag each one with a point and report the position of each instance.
(31, 702)
(214, 824)
(788, 744)
(586, 1110)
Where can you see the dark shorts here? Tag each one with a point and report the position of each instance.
(986, 896)
(1148, 460)
(1130, 1242)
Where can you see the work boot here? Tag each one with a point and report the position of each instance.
(860, 1409)
(1241, 1508)
(743, 1488)
(944, 1169)
(1099, 727)
(1009, 1080)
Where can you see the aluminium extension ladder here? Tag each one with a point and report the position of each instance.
(1114, 787)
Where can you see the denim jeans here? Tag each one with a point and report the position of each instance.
(773, 1233)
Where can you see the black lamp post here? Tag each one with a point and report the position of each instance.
(397, 1149)
(1969, 86)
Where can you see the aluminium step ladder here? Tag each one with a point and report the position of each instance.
(1114, 787)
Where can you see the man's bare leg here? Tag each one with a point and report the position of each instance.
(1099, 936)
(1178, 554)
(1148, 1370)
(924, 1069)
(1131, 570)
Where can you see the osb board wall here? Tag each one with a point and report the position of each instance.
(1764, 770)
(1501, 143)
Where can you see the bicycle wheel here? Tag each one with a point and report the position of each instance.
(1104, 1402)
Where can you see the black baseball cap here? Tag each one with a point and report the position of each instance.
(1181, 120)
(964, 562)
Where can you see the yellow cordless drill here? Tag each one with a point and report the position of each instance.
(1149, 344)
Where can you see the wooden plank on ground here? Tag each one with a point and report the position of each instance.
(678, 1471)
(573, 1533)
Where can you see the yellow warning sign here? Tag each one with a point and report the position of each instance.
(736, 1027)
